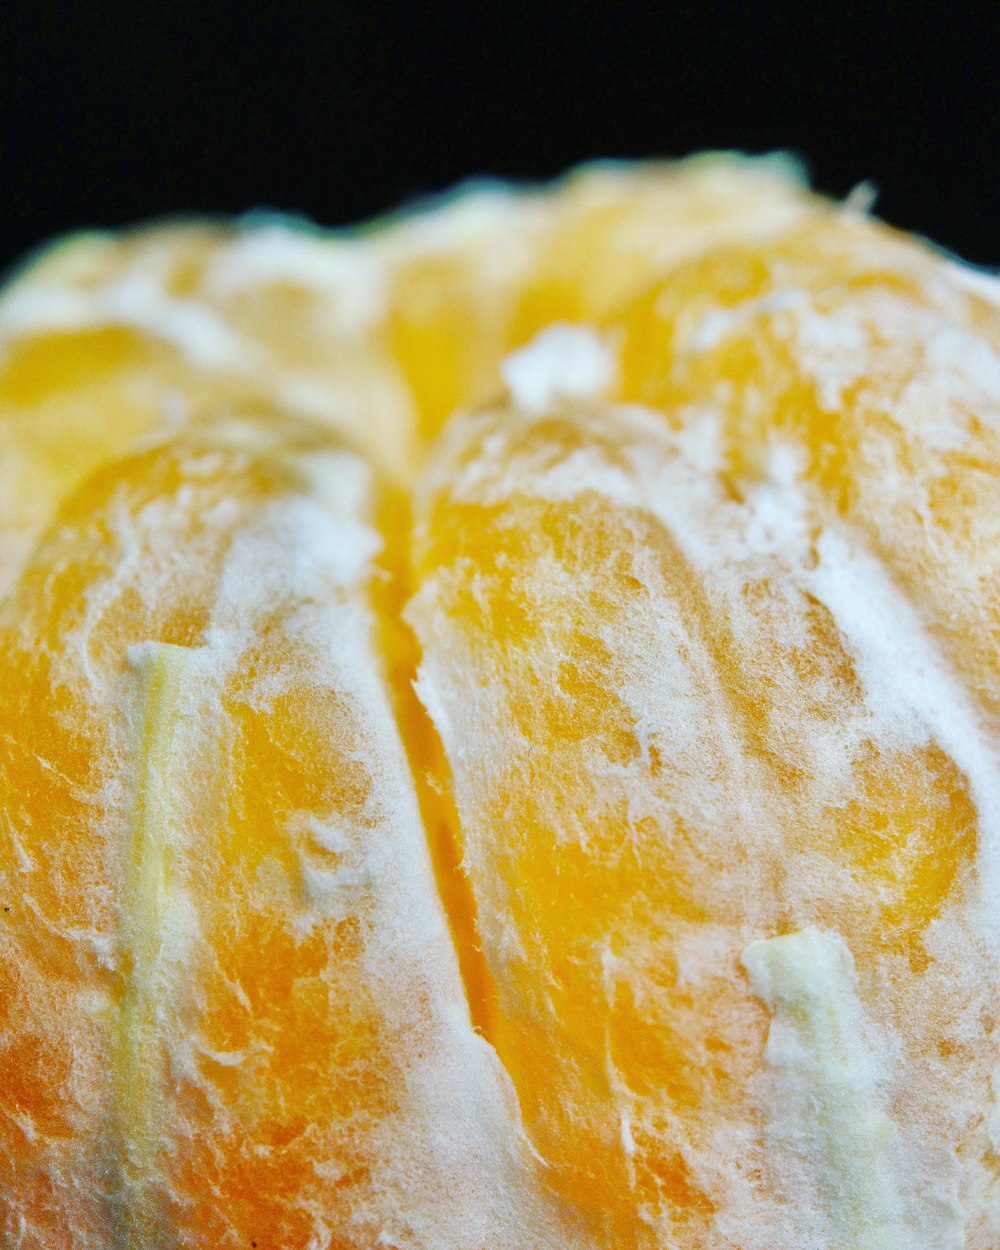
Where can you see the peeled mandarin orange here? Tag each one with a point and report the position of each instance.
(499, 730)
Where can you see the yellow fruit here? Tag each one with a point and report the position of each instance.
(663, 914)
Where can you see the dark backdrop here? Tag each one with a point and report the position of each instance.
(115, 112)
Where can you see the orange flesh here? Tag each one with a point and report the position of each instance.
(232, 968)
(588, 868)
(628, 787)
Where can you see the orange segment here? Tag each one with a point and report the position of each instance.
(476, 278)
(107, 339)
(873, 364)
(245, 1021)
(665, 744)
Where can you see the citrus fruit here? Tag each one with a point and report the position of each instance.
(499, 729)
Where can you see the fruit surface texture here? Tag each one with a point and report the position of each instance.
(500, 729)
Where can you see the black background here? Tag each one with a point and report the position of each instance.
(113, 113)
